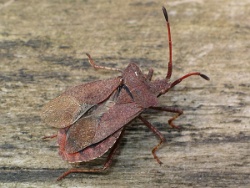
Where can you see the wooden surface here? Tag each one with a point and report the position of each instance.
(42, 51)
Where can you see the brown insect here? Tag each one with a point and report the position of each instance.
(91, 117)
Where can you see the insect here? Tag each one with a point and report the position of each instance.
(91, 117)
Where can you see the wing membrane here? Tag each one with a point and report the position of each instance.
(76, 101)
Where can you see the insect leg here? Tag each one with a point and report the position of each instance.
(154, 130)
(51, 136)
(105, 166)
(150, 74)
(112, 152)
(92, 63)
(170, 109)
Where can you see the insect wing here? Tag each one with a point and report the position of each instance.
(104, 121)
(115, 118)
(63, 111)
(89, 153)
(82, 132)
(94, 92)
(76, 101)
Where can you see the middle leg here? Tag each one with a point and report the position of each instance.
(157, 133)
(170, 109)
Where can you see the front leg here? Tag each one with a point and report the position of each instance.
(150, 74)
(170, 109)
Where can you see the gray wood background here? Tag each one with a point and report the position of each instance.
(42, 52)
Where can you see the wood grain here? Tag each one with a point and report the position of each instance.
(42, 50)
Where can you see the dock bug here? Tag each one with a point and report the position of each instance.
(91, 117)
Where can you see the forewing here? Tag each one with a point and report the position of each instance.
(115, 118)
(76, 101)
(92, 152)
(81, 134)
(63, 111)
(94, 92)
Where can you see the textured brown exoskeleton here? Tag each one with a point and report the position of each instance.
(91, 117)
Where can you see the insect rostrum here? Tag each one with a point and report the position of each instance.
(91, 117)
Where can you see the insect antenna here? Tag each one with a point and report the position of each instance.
(186, 76)
(169, 73)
